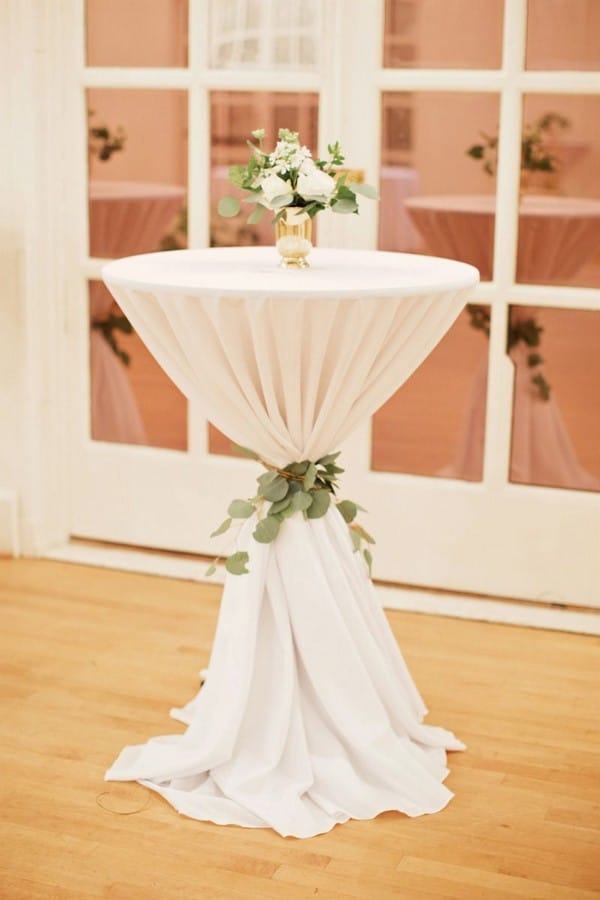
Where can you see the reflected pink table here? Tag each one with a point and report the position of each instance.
(126, 217)
(557, 235)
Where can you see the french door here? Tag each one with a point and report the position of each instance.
(482, 474)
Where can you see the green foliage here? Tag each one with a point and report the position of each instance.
(300, 487)
(107, 328)
(223, 527)
(236, 563)
(526, 331)
(244, 451)
(228, 207)
(267, 530)
(102, 142)
(240, 509)
(348, 510)
(534, 155)
(366, 190)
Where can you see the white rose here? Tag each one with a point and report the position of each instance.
(314, 184)
(273, 186)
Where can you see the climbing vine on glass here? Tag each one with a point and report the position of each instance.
(303, 487)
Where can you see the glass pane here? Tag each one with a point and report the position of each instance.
(443, 34)
(132, 400)
(234, 115)
(435, 423)
(137, 171)
(264, 34)
(435, 197)
(559, 224)
(136, 32)
(563, 34)
(556, 412)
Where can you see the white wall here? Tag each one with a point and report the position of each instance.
(33, 282)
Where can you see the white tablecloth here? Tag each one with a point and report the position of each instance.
(309, 715)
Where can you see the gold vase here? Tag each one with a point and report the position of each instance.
(293, 232)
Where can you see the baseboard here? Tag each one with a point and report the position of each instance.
(9, 532)
(482, 609)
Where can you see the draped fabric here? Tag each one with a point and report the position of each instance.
(309, 715)
(542, 451)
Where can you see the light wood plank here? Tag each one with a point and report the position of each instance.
(77, 646)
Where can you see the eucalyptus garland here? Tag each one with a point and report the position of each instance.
(303, 487)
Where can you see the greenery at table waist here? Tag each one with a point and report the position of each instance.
(107, 328)
(288, 176)
(535, 156)
(526, 331)
(303, 487)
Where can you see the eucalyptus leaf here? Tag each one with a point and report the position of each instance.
(284, 200)
(319, 505)
(267, 530)
(330, 458)
(256, 215)
(222, 528)
(355, 540)
(368, 559)
(237, 175)
(310, 477)
(211, 570)
(366, 190)
(266, 479)
(364, 534)
(244, 451)
(298, 468)
(240, 509)
(302, 500)
(236, 563)
(345, 206)
(280, 505)
(228, 207)
(348, 510)
(276, 489)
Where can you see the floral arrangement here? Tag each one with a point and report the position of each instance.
(288, 176)
(534, 155)
(303, 487)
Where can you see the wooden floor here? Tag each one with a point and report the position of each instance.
(92, 659)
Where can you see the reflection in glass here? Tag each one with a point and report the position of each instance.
(268, 34)
(434, 201)
(559, 224)
(443, 34)
(234, 115)
(136, 32)
(563, 34)
(132, 400)
(434, 425)
(138, 171)
(556, 409)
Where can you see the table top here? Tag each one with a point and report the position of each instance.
(531, 204)
(254, 271)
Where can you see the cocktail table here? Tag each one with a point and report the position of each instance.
(309, 715)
